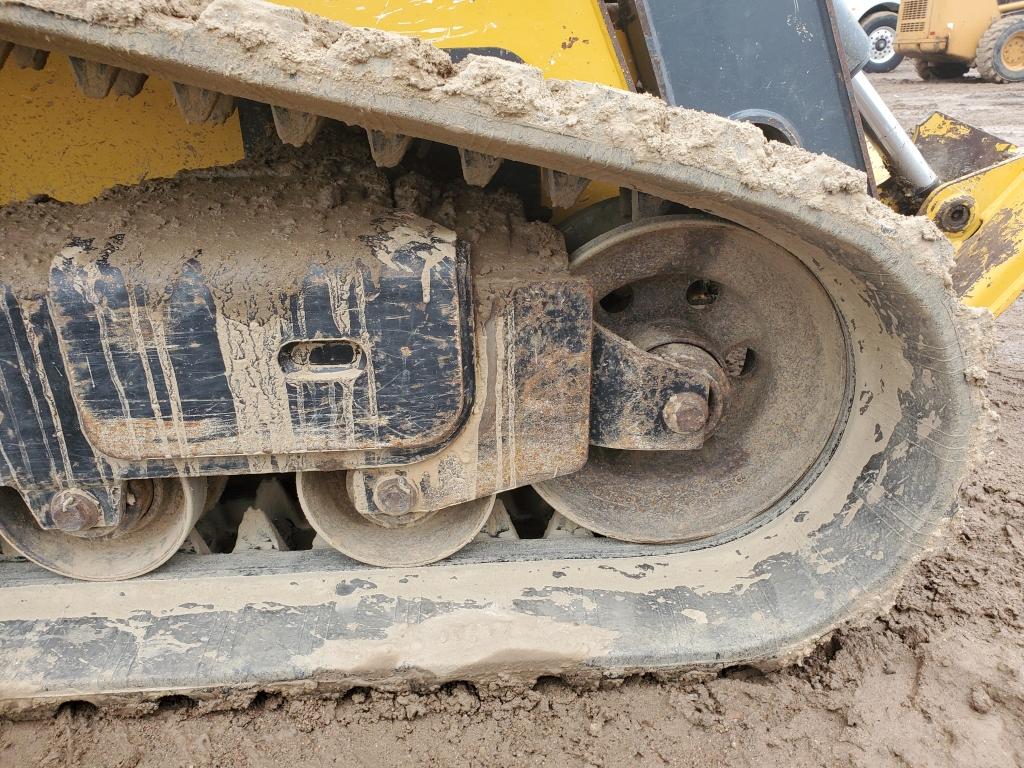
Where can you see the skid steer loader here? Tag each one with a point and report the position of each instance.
(946, 38)
(382, 364)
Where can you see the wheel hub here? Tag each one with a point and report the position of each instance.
(328, 507)
(158, 516)
(1013, 52)
(700, 286)
(688, 411)
(882, 41)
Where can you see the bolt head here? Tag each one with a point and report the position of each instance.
(955, 215)
(686, 412)
(395, 496)
(74, 510)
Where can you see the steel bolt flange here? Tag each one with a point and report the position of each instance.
(686, 412)
(75, 510)
(395, 496)
(955, 215)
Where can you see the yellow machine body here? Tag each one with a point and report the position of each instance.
(989, 239)
(93, 145)
(102, 143)
(947, 30)
(567, 40)
(990, 252)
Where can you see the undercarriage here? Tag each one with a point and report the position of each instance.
(697, 423)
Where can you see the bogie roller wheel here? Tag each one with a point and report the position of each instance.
(940, 70)
(328, 507)
(1000, 55)
(159, 516)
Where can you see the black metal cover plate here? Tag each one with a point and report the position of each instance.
(772, 62)
(366, 349)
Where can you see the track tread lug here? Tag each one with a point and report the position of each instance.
(129, 84)
(388, 149)
(93, 79)
(296, 128)
(29, 58)
(477, 168)
(198, 105)
(563, 188)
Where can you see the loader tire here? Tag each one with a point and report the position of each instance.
(1001, 51)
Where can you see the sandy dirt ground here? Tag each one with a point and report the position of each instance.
(994, 108)
(938, 681)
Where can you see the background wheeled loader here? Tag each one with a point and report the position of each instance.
(609, 383)
(948, 37)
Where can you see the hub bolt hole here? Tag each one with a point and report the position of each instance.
(618, 300)
(740, 361)
(702, 293)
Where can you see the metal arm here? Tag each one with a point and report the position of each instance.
(906, 159)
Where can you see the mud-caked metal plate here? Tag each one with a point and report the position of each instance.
(358, 345)
(530, 419)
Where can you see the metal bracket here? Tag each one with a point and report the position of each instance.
(668, 400)
(530, 418)
(78, 509)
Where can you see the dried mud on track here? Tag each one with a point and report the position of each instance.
(939, 681)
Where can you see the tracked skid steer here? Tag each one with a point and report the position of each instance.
(396, 343)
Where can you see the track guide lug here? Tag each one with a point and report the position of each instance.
(563, 189)
(129, 84)
(388, 149)
(199, 106)
(29, 58)
(477, 168)
(296, 128)
(93, 79)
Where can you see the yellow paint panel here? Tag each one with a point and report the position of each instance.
(995, 233)
(55, 141)
(566, 39)
(1000, 286)
(940, 125)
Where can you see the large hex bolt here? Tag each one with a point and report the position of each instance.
(395, 496)
(956, 214)
(74, 510)
(686, 412)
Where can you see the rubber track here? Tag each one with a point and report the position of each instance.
(810, 203)
(383, 82)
